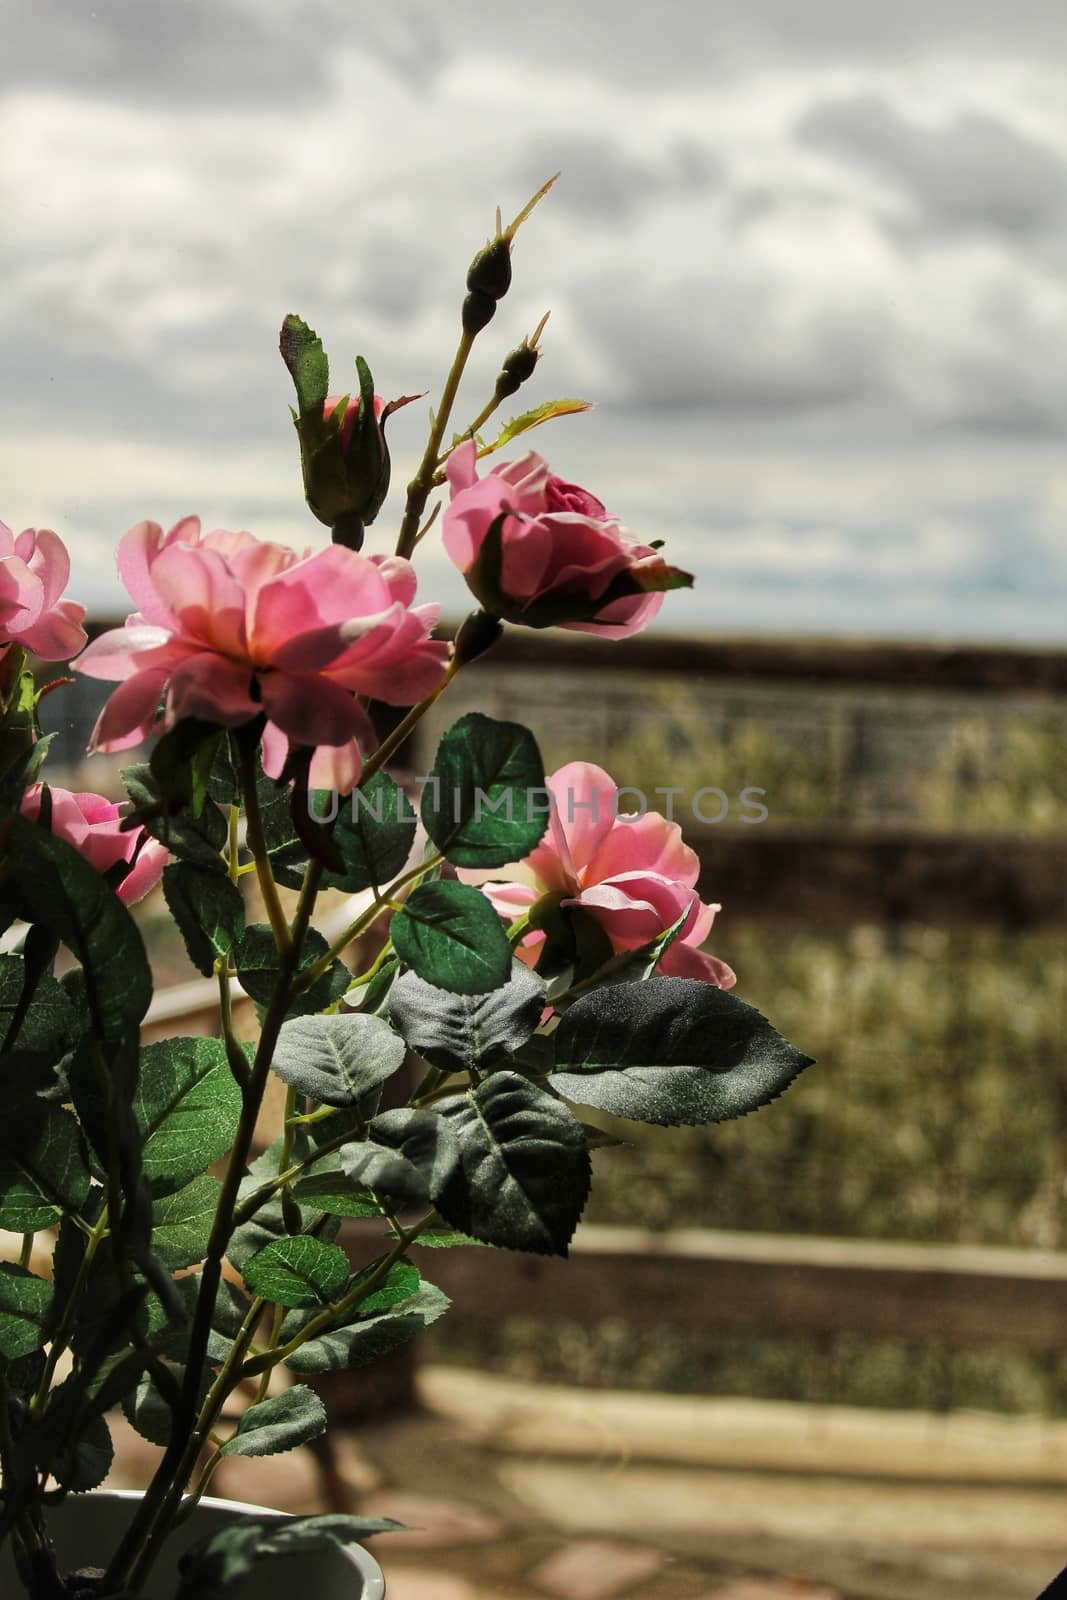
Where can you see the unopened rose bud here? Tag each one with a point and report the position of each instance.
(477, 633)
(516, 367)
(490, 271)
(479, 309)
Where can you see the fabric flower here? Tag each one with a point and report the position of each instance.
(34, 569)
(93, 826)
(538, 551)
(634, 876)
(231, 628)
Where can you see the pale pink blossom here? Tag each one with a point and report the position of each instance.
(562, 559)
(34, 569)
(635, 876)
(231, 628)
(93, 826)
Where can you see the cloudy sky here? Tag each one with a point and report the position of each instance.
(808, 257)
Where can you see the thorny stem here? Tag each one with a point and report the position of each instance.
(422, 483)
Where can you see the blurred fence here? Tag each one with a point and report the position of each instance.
(900, 914)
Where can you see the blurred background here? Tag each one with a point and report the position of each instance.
(810, 263)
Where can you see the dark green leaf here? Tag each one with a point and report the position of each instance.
(671, 1051)
(51, 1024)
(524, 1173)
(366, 1338)
(298, 1271)
(484, 804)
(256, 960)
(337, 1059)
(43, 1170)
(451, 936)
(269, 1222)
(188, 1106)
(147, 1410)
(181, 1223)
(209, 911)
(25, 1301)
(448, 1239)
(199, 839)
(182, 761)
(281, 1422)
(467, 1033)
(58, 887)
(409, 1156)
(374, 833)
(309, 369)
(216, 1568)
(333, 1192)
(86, 1461)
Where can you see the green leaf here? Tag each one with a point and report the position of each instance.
(43, 1170)
(467, 1033)
(671, 1051)
(209, 911)
(181, 1222)
(216, 1567)
(51, 1023)
(231, 1307)
(188, 1106)
(25, 1301)
(366, 1338)
(57, 887)
(527, 420)
(269, 1221)
(256, 960)
(86, 1461)
(524, 1170)
(182, 761)
(148, 1412)
(199, 839)
(374, 832)
(629, 966)
(484, 803)
(410, 1155)
(303, 354)
(334, 1193)
(282, 1422)
(448, 1239)
(336, 1060)
(298, 1271)
(451, 936)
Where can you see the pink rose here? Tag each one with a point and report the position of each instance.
(634, 876)
(542, 552)
(230, 628)
(93, 826)
(34, 569)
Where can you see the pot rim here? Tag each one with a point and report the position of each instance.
(364, 1563)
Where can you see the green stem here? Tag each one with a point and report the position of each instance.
(310, 974)
(258, 846)
(152, 1521)
(27, 1250)
(422, 483)
(331, 1313)
(61, 1337)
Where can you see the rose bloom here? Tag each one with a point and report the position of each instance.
(562, 561)
(635, 876)
(230, 628)
(92, 825)
(34, 569)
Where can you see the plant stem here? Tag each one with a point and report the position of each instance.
(339, 1308)
(61, 1337)
(258, 846)
(422, 483)
(138, 1547)
(311, 973)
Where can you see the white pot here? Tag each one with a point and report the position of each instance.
(86, 1528)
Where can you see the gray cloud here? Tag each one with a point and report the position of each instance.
(973, 172)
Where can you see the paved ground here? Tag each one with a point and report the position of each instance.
(521, 1494)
